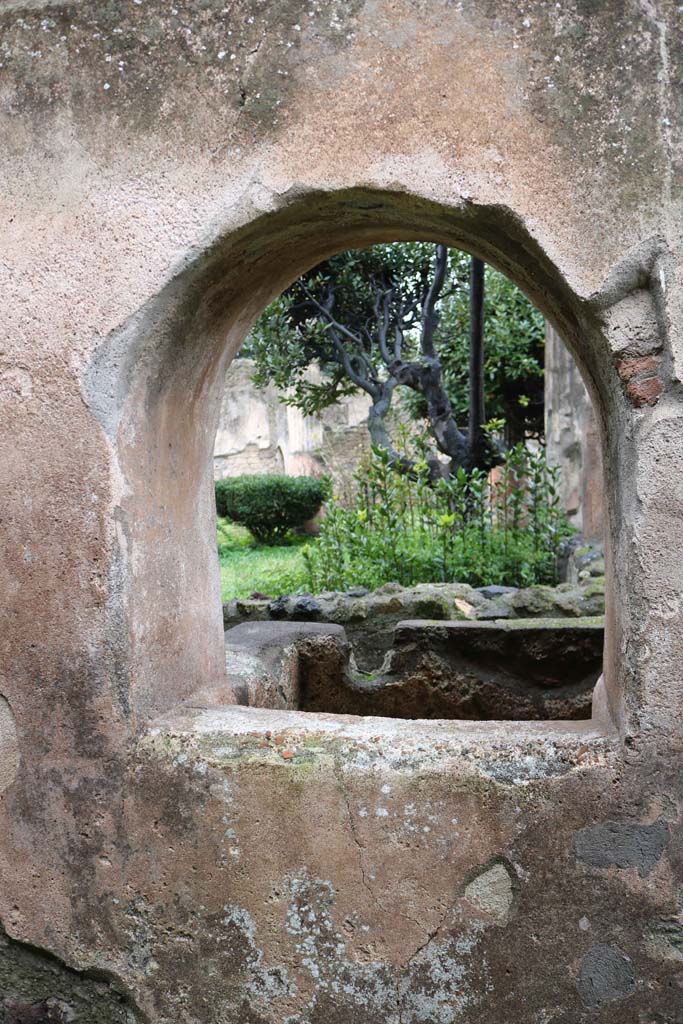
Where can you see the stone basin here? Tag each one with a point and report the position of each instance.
(524, 669)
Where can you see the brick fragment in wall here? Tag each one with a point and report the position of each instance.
(640, 375)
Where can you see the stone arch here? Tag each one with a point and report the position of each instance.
(156, 192)
(280, 457)
(168, 364)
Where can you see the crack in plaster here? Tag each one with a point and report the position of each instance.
(431, 935)
(360, 848)
(338, 771)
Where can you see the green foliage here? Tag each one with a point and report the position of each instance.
(514, 332)
(270, 506)
(464, 528)
(290, 334)
(247, 567)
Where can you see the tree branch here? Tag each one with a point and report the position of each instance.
(343, 357)
(326, 311)
(377, 426)
(383, 324)
(366, 383)
(430, 318)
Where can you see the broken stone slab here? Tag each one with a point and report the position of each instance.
(516, 669)
(263, 664)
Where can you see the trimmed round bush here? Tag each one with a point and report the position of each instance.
(269, 506)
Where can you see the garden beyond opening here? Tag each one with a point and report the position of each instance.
(447, 483)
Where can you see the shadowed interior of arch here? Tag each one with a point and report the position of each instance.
(160, 378)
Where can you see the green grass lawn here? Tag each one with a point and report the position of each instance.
(247, 566)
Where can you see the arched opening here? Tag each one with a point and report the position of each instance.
(170, 385)
(453, 512)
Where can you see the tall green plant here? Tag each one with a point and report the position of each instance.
(504, 528)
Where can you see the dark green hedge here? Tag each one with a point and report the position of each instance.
(269, 506)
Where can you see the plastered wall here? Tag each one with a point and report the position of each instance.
(573, 440)
(164, 856)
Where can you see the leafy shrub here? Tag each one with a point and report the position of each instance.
(505, 529)
(269, 506)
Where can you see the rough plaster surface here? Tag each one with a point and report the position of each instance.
(165, 170)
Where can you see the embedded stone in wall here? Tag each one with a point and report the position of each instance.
(492, 892)
(9, 746)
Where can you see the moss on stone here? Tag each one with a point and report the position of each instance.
(432, 607)
(534, 601)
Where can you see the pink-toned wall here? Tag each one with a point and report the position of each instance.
(166, 856)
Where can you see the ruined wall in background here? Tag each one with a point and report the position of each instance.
(257, 433)
(572, 439)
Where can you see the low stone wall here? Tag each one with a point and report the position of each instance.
(529, 669)
(369, 617)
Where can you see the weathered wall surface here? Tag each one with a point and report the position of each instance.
(257, 433)
(166, 170)
(573, 439)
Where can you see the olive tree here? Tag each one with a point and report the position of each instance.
(375, 320)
